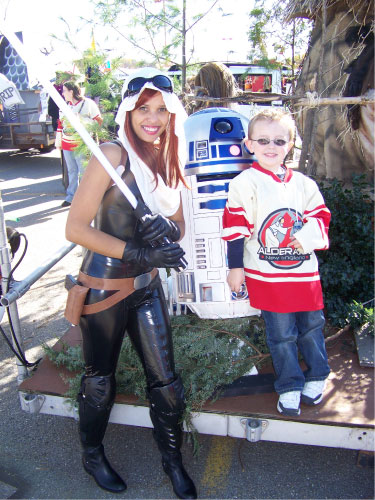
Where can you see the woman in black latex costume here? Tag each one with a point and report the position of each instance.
(149, 157)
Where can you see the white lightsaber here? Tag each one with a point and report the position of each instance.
(34, 61)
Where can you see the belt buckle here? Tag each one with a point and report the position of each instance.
(142, 281)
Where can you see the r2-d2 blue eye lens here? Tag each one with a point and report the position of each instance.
(223, 126)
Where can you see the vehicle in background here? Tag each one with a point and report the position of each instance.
(252, 78)
(256, 78)
(26, 126)
(23, 126)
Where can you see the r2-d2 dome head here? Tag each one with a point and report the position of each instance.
(215, 142)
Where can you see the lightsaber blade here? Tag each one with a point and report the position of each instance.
(33, 61)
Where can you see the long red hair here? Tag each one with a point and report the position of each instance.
(165, 154)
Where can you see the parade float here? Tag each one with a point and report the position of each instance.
(246, 407)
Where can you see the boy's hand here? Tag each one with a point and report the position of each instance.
(294, 243)
(235, 279)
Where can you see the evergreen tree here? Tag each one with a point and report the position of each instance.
(101, 84)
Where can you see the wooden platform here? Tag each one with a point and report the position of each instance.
(348, 399)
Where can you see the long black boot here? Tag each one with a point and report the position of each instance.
(95, 399)
(166, 409)
(96, 464)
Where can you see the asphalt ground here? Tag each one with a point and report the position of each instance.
(40, 454)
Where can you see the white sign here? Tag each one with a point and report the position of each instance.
(9, 94)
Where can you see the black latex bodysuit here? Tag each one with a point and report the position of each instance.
(143, 314)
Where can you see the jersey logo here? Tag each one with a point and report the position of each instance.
(274, 236)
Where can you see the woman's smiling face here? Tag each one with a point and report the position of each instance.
(151, 119)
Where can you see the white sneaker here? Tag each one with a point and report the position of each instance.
(312, 393)
(288, 403)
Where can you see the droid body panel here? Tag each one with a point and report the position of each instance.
(216, 154)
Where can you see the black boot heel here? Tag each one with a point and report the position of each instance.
(96, 464)
(183, 486)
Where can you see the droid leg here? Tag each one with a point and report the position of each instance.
(95, 399)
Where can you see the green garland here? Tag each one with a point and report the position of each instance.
(208, 355)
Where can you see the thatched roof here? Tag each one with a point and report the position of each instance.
(311, 8)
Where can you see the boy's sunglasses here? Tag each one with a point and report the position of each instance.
(160, 81)
(265, 142)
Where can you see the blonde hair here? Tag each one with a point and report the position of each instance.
(217, 80)
(274, 115)
(214, 80)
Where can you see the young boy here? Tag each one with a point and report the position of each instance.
(273, 221)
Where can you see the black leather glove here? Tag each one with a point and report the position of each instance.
(154, 227)
(168, 255)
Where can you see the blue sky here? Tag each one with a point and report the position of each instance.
(218, 38)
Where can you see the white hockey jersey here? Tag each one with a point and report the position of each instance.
(267, 212)
(87, 110)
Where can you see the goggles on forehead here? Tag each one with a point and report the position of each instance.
(159, 81)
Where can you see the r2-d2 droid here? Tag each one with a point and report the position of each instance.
(216, 154)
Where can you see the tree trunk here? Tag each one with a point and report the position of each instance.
(183, 66)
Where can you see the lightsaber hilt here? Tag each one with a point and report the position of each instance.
(141, 211)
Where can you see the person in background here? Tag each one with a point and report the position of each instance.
(53, 109)
(273, 221)
(88, 112)
(119, 269)
(214, 80)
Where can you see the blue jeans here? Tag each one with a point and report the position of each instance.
(288, 333)
(74, 167)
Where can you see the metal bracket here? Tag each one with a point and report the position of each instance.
(75, 412)
(4, 255)
(254, 428)
(31, 403)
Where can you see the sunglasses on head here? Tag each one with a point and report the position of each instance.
(265, 142)
(160, 81)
